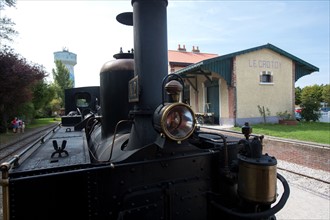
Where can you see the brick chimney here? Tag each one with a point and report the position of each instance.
(195, 50)
(181, 48)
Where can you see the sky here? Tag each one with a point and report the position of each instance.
(89, 29)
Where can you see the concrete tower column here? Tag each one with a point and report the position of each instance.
(69, 59)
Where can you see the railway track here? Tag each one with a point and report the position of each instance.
(304, 175)
(308, 183)
(25, 142)
(236, 133)
(289, 170)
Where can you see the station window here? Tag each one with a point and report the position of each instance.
(266, 77)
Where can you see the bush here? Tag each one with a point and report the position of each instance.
(310, 102)
(284, 115)
(310, 113)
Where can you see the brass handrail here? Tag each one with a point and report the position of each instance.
(4, 167)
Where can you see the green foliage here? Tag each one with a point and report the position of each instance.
(312, 93)
(9, 3)
(310, 110)
(7, 31)
(305, 131)
(298, 91)
(62, 80)
(55, 105)
(9, 137)
(17, 78)
(26, 112)
(43, 94)
(285, 115)
(42, 122)
(326, 94)
(320, 93)
(311, 96)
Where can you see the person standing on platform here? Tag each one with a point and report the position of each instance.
(14, 124)
(20, 124)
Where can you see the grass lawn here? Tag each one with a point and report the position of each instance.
(5, 138)
(42, 122)
(305, 131)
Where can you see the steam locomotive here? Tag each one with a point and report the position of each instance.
(131, 149)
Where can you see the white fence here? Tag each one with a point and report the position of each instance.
(325, 117)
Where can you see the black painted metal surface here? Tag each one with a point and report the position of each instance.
(114, 78)
(41, 158)
(151, 66)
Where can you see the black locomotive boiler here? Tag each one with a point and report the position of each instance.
(141, 155)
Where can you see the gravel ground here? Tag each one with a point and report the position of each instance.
(319, 188)
(309, 199)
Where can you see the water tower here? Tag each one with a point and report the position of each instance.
(68, 59)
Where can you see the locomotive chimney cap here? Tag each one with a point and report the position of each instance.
(122, 55)
(125, 18)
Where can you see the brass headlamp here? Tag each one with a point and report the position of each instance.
(173, 119)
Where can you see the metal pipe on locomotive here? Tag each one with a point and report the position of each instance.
(143, 157)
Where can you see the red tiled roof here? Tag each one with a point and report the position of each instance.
(188, 57)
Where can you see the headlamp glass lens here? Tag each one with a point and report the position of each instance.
(179, 122)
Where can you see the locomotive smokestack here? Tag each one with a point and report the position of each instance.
(150, 44)
(151, 66)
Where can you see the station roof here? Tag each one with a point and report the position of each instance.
(223, 64)
(186, 58)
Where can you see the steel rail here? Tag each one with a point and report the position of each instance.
(312, 144)
(26, 137)
(278, 139)
(304, 175)
(25, 147)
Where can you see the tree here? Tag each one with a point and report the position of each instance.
(9, 3)
(17, 78)
(312, 92)
(43, 94)
(326, 94)
(7, 32)
(55, 106)
(311, 96)
(298, 91)
(62, 80)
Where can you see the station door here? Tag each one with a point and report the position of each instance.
(212, 99)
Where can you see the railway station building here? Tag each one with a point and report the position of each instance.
(233, 88)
